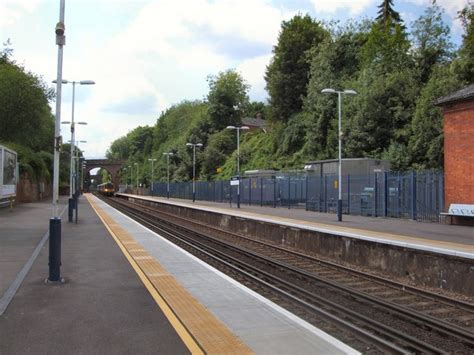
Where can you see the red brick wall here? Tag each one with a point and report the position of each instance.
(459, 153)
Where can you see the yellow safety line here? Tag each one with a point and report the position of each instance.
(204, 332)
(353, 230)
(183, 333)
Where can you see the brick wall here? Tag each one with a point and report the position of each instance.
(459, 152)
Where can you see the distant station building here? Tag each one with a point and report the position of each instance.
(458, 109)
(255, 123)
(350, 166)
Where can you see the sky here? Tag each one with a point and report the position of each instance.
(146, 55)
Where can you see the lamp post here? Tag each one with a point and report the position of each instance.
(194, 145)
(78, 170)
(131, 179)
(339, 183)
(238, 129)
(168, 173)
(152, 173)
(55, 220)
(136, 164)
(72, 123)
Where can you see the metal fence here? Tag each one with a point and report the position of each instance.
(414, 195)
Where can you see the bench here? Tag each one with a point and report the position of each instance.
(459, 210)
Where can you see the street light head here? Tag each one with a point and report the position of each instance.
(198, 144)
(189, 144)
(245, 127)
(129, 166)
(62, 81)
(82, 141)
(231, 127)
(328, 91)
(60, 28)
(87, 82)
(65, 122)
(83, 123)
(151, 159)
(350, 92)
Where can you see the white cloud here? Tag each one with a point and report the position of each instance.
(12, 10)
(162, 57)
(450, 6)
(355, 7)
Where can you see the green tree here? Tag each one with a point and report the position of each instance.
(431, 41)
(25, 115)
(426, 138)
(334, 65)
(387, 13)
(464, 65)
(287, 74)
(227, 98)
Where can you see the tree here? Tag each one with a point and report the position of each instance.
(287, 74)
(25, 115)
(426, 138)
(334, 65)
(431, 41)
(228, 99)
(386, 14)
(464, 65)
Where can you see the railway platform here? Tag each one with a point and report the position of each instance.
(447, 239)
(127, 290)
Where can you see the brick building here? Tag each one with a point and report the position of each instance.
(458, 109)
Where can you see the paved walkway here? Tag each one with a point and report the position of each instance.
(102, 308)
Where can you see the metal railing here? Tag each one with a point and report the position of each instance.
(414, 195)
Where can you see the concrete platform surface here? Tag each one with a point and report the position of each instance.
(442, 238)
(103, 308)
(262, 325)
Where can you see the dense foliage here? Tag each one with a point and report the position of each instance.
(398, 75)
(26, 121)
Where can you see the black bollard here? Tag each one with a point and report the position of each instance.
(54, 250)
(339, 210)
(71, 208)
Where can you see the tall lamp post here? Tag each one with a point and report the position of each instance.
(194, 145)
(72, 123)
(55, 220)
(152, 173)
(136, 164)
(168, 173)
(78, 170)
(238, 129)
(131, 179)
(339, 183)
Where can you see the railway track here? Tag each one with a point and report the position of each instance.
(366, 312)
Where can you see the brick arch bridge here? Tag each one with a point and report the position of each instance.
(112, 166)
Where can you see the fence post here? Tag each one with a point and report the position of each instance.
(325, 193)
(348, 194)
(413, 195)
(376, 192)
(306, 192)
(385, 192)
(274, 191)
(289, 191)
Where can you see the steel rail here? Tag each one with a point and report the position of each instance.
(377, 326)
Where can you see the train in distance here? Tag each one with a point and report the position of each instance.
(106, 189)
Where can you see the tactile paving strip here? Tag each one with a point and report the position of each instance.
(211, 335)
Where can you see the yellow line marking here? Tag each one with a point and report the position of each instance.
(204, 332)
(363, 232)
(185, 336)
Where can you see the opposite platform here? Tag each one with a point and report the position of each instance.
(433, 237)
